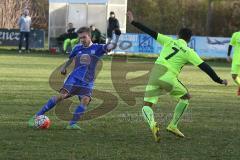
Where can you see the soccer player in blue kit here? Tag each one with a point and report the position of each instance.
(80, 82)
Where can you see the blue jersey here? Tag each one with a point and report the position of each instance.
(86, 60)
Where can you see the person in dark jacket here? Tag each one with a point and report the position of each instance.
(95, 34)
(113, 27)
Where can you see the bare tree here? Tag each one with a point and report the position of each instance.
(10, 11)
(209, 17)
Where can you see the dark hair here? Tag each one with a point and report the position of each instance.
(185, 33)
(84, 30)
(112, 12)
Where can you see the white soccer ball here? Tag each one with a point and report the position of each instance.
(42, 122)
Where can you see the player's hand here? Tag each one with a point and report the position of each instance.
(225, 82)
(63, 71)
(111, 46)
(229, 59)
(130, 16)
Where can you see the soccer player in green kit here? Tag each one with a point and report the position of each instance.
(235, 70)
(164, 75)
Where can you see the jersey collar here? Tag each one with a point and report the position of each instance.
(89, 45)
(183, 41)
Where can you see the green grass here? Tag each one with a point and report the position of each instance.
(211, 124)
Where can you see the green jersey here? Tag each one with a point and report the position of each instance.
(235, 42)
(175, 54)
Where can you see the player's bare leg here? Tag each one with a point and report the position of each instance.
(149, 118)
(236, 79)
(179, 110)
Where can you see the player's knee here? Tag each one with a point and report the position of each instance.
(148, 104)
(234, 76)
(85, 100)
(62, 96)
(59, 98)
(186, 97)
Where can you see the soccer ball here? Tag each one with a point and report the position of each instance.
(42, 122)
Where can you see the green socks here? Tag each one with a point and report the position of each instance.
(180, 108)
(148, 115)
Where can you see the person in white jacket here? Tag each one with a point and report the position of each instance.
(24, 26)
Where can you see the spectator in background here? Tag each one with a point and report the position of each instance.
(69, 38)
(113, 26)
(95, 34)
(24, 26)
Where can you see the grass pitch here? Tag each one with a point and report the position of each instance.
(211, 124)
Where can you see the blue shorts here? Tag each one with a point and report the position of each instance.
(77, 87)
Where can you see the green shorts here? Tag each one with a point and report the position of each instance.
(163, 81)
(70, 42)
(235, 69)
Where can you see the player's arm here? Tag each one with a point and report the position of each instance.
(232, 43)
(229, 50)
(194, 59)
(63, 70)
(229, 53)
(141, 27)
(162, 39)
(211, 73)
(112, 45)
(109, 47)
(64, 67)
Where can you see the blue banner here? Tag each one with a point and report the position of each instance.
(10, 37)
(142, 43)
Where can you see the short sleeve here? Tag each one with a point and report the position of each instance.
(194, 58)
(163, 39)
(233, 40)
(74, 52)
(102, 49)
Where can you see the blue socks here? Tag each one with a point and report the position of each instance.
(50, 104)
(77, 114)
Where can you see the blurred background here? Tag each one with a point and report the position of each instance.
(205, 17)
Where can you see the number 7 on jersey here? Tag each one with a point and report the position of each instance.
(172, 54)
